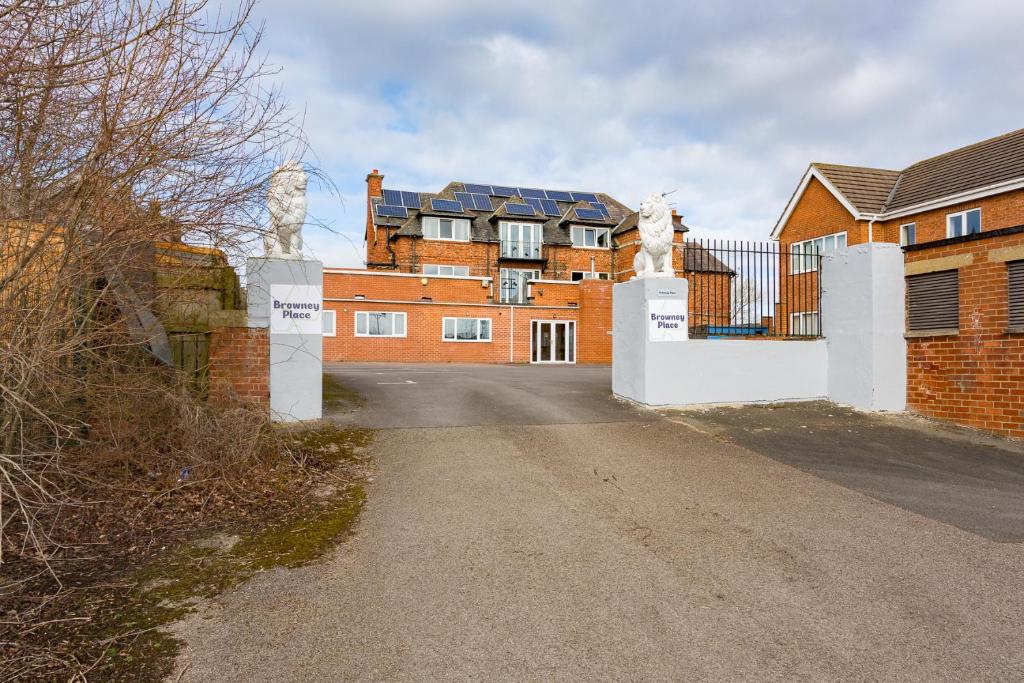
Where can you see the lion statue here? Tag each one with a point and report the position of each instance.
(286, 204)
(655, 223)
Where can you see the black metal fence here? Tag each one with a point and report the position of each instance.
(753, 289)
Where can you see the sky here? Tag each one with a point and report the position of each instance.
(722, 103)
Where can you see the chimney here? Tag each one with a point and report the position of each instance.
(374, 184)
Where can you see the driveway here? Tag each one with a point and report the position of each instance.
(524, 526)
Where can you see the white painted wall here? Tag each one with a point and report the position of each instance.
(862, 306)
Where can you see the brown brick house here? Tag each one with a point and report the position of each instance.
(960, 218)
(524, 272)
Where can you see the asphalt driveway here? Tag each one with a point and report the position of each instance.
(578, 538)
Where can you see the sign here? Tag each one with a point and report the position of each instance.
(666, 320)
(296, 309)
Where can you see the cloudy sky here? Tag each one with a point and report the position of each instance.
(725, 103)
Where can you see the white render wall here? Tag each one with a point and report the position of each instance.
(861, 362)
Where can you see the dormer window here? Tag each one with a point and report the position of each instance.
(455, 229)
(593, 238)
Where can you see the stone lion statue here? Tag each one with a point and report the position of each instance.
(655, 256)
(286, 204)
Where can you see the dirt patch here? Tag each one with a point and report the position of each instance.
(100, 613)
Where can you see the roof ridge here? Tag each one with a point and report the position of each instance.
(859, 168)
(986, 141)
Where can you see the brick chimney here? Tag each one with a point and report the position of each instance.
(374, 184)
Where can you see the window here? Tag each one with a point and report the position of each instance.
(595, 238)
(578, 275)
(466, 329)
(933, 301)
(521, 240)
(804, 255)
(908, 234)
(380, 324)
(805, 324)
(963, 223)
(330, 327)
(430, 269)
(1015, 299)
(435, 228)
(514, 284)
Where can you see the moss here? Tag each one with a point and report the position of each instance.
(338, 396)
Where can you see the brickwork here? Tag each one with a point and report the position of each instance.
(240, 364)
(976, 377)
(594, 339)
(999, 211)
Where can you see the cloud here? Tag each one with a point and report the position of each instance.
(725, 103)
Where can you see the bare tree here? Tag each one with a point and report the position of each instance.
(122, 122)
(744, 303)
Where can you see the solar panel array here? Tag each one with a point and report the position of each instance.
(392, 210)
(520, 209)
(480, 202)
(502, 191)
(410, 200)
(531, 192)
(584, 197)
(602, 208)
(589, 214)
(449, 205)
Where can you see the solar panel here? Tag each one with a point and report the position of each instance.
(525, 192)
(549, 207)
(558, 195)
(482, 202)
(535, 203)
(478, 189)
(584, 197)
(520, 209)
(411, 199)
(465, 198)
(589, 214)
(393, 197)
(502, 191)
(392, 210)
(602, 208)
(448, 205)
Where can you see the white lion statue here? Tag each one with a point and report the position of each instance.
(286, 204)
(655, 256)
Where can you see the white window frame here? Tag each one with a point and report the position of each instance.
(438, 268)
(903, 234)
(535, 348)
(797, 251)
(963, 221)
(405, 324)
(478, 340)
(522, 294)
(333, 315)
(432, 229)
(798, 323)
(577, 230)
(590, 275)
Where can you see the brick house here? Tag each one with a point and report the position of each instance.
(960, 219)
(486, 273)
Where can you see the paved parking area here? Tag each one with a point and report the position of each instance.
(522, 525)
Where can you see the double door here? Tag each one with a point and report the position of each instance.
(553, 341)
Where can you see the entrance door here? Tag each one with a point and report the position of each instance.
(553, 341)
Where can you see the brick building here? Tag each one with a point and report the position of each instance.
(960, 218)
(485, 273)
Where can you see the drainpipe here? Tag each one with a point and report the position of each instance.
(871, 232)
(511, 334)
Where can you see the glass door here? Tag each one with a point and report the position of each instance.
(553, 341)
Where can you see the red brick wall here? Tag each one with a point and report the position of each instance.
(240, 364)
(1000, 211)
(594, 344)
(976, 377)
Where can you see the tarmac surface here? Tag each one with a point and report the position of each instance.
(523, 525)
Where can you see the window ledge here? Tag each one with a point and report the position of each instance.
(943, 332)
(1015, 329)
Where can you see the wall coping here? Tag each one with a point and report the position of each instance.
(1001, 232)
(404, 302)
(376, 273)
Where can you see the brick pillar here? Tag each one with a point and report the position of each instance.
(595, 322)
(240, 365)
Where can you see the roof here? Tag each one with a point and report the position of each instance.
(697, 259)
(865, 188)
(630, 223)
(981, 169)
(484, 223)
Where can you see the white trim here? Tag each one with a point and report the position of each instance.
(963, 215)
(405, 325)
(424, 266)
(334, 321)
(793, 247)
(805, 315)
(461, 221)
(812, 172)
(960, 198)
(907, 225)
(589, 272)
(553, 282)
(595, 228)
(352, 271)
(575, 342)
(490, 331)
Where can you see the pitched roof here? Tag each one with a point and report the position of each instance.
(865, 188)
(984, 163)
(697, 259)
(878, 193)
